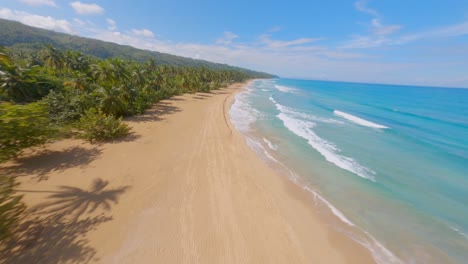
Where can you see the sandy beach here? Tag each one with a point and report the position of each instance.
(183, 188)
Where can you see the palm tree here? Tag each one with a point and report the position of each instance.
(138, 75)
(102, 72)
(16, 82)
(119, 69)
(111, 101)
(75, 61)
(53, 57)
(79, 81)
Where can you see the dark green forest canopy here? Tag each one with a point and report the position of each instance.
(28, 39)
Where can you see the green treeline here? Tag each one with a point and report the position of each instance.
(67, 90)
(55, 85)
(54, 93)
(26, 39)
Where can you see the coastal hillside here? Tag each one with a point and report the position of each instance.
(18, 36)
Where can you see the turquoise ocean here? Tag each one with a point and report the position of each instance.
(387, 163)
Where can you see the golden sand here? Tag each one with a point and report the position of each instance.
(183, 188)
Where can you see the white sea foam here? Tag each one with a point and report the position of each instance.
(285, 89)
(358, 120)
(242, 113)
(459, 232)
(309, 117)
(270, 145)
(303, 128)
(378, 251)
(328, 150)
(380, 254)
(333, 209)
(259, 147)
(248, 89)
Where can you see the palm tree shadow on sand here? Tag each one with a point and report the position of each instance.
(73, 202)
(55, 231)
(40, 164)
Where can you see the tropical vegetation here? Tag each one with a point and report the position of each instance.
(48, 93)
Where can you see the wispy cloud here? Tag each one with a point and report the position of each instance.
(264, 53)
(111, 25)
(364, 42)
(143, 32)
(379, 33)
(362, 7)
(379, 29)
(270, 43)
(455, 30)
(307, 57)
(46, 22)
(79, 22)
(275, 29)
(86, 9)
(379, 40)
(227, 38)
(39, 2)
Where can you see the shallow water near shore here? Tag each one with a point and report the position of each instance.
(390, 162)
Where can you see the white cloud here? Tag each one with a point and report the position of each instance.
(378, 32)
(45, 22)
(79, 22)
(287, 57)
(380, 29)
(361, 6)
(364, 42)
(377, 28)
(227, 39)
(111, 25)
(143, 32)
(360, 42)
(39, 2)
(275, 29)
(301, 57)
(455, 30)
(452, 31)
(265, 39)
(86, 9)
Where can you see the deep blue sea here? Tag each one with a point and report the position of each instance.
(389, 162)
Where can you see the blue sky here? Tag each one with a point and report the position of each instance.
(399, 42)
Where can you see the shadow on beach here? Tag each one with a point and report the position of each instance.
(156, 113)
(165, 107)
(39, 164)
(55, 231)
(201, 96)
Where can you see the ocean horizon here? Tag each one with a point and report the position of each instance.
(372, 83)
(388, 161)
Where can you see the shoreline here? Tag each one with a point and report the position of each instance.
(185, 187)
(330, 216)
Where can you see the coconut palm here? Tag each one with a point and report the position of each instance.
(16, 83)
(79, 81)
(111, 101)
(53, 57)
(103, 72)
